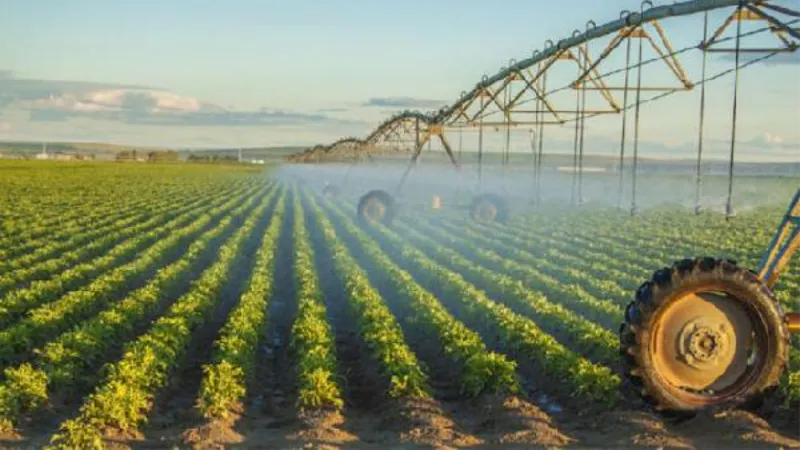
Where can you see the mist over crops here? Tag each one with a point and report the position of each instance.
(557, 189)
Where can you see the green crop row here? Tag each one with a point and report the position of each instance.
(312, 339)
(225, 377)
(517, 333)
(70, 273)
(40, 240)
(534, 255)
(482, 370)
(592, 340)
(55, 231)
(59, 314)
(63, 362)
(124, 399)
(564, 291)
(53, 256)
(377, 326)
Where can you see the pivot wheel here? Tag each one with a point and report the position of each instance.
(702, 334)
(376, 206)
(330, 191)
(489, 208)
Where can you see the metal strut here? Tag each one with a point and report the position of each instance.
(783, 245)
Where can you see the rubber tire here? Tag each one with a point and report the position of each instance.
(383, 197)
(330, 191)
(640, 376)
(499, 203)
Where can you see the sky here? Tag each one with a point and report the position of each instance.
(202, 73)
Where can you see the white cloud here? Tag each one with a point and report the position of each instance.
(770, 138)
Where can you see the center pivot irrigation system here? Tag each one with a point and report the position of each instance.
(605, 79)
(704, 332)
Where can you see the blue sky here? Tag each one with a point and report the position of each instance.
(319, 63)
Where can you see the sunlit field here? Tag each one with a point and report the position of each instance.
(161, 305)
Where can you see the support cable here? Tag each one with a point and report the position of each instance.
(699, 172)
(623, 137)
(480, 151)
(460, 145)
(507, 145)
(540, 144)
(535, 157)
(535, 152)
(582, 113)
(636, 122)
(573, 194)
(729, 204)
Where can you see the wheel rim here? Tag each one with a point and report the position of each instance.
(374, 209)
(485, 212)
(706, 346)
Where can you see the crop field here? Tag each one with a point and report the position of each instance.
(153, 306)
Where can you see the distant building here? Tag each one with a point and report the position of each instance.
(57, 156)
(568, 169)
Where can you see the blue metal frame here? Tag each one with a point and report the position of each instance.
(783, 244)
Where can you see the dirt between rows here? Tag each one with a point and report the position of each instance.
(510, 423)
(489, 422)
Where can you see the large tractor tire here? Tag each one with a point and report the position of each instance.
(330, 191)
(376, 206)
(487, 208)
(704, 334)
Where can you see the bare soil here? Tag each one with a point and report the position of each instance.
(491, 422)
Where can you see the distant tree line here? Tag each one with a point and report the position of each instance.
(219, 159)
(151, 156)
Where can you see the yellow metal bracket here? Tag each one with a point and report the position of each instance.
(754, 13)
(435, 129)
(660, 44)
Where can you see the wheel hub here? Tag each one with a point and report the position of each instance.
(703, 342)
(374, 209)
(700, 344)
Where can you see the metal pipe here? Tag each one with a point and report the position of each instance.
(793, 322)
(480, 153)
